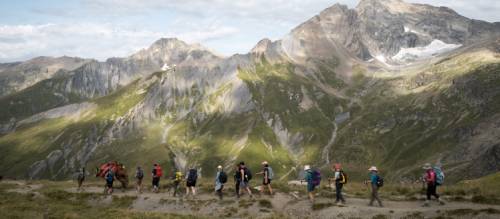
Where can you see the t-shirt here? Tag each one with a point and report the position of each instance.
(110, 176)
(374, 179)
(337, 175)
(430, 177)
(266, 171)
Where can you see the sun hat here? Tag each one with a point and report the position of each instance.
(427, 166)
(219, 167)
(373, 168)
(307, 167)
(264, 162)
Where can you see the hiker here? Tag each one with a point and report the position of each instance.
(110, 177)
(220, 179)
(268, 175)
(245, 177)
(156, 173)
(430, 179)
(80, 178)
(376, 182)
(311, 184)
(177, 182)
(139, 175)
(191, 179)
(340, 179)
(237, 179)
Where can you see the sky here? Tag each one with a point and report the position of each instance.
(117, 28)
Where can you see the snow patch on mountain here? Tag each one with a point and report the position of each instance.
(436, 47)
(409, 30)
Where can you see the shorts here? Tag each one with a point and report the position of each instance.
(268, 182)
(191, 183)
(156, 181)
(109, 184)
(310, 187)
(243, 185)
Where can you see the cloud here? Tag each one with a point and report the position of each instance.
(105, 28)
(100, 41)
(278, 10)
(487, 10)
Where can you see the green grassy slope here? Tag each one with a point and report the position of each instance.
(396, 123)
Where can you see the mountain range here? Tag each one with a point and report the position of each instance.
(386, 83)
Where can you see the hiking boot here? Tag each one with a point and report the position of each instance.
(426, 204)
(441, 202)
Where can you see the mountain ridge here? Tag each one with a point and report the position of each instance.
(317, 96)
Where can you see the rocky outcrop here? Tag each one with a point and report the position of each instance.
(20, 75)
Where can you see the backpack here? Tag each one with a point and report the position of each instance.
(192, 175)
(178, 176)
(316, 177)
(439, 174)
(343, 178)
(248, 174)
(237, 176)
(222, 177)
(270, 173)
(159, 172)
(139, 174)
(380, 181)
(81, 176)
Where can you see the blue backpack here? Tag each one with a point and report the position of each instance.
(439, 176)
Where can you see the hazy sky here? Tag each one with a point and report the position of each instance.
(106, 28)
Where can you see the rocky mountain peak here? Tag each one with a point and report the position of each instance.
(173, 50)
(261, 46)
(390, 31)
(168, 43)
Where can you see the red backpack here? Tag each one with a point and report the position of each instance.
(159, 172)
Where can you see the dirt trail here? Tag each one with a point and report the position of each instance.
(281, 205)
(288, 206)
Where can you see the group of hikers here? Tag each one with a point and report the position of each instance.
(433, 177)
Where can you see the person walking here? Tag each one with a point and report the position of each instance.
(191, 179)
(81, 178)
(268, 175)
(110, 177)
(309, 177)
(156, 174)
(178, 176)
(376, 182)
(340, 179)
(139, 175)
(237, 180)
(430, 180)
(245, 177)
(220, 180)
